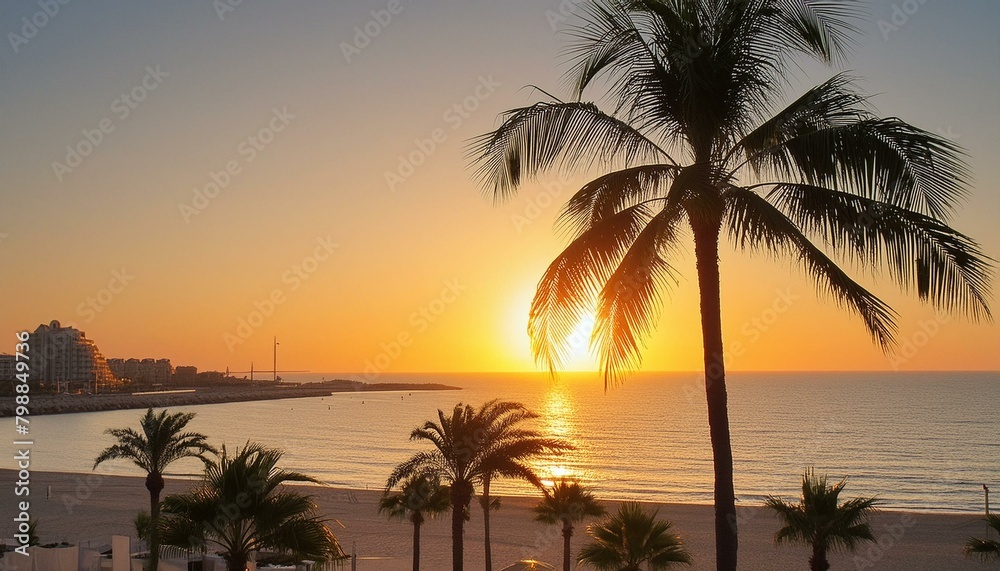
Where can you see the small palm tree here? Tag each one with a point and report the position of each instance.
(567, 503)
(509, 450)
(419, 496)
(241, 506)
(631, 539)
(163, 441)
(986, 549)
(821, 521)
(470, 447)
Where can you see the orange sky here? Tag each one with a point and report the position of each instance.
(265, 103)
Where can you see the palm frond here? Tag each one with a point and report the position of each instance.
(608, 195)
(554, 136)
(571, 284)
(629, 303)
(882, 159)
(922, 254)
(756, 224)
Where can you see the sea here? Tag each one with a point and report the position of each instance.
(920, 441)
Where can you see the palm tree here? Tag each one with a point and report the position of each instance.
(418, 496)
(163, 441)
(632, 538)
(470, 446)
(566, 503)
(696, 138)
(508, 452)
(241, 506)
(821, 521)
(986, 549)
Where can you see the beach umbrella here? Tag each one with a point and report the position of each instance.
(529, 565)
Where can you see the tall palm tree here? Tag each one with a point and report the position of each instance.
(163, 441)
(567, 503)
(509, 450)
(420, 495)
(820, 520)
(468, 448)
(631, 539)
(696, 138)
(986, 549)
(241, 506)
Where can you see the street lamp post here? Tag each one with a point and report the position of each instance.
(986, 491)
(275, 373)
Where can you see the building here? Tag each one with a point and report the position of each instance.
(144, 371)
(7, 367)
(185, 375)
(63, 355)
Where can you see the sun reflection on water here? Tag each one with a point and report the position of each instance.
(558, 418)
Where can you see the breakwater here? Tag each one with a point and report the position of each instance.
(65, 404)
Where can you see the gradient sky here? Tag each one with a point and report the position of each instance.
(429, 260)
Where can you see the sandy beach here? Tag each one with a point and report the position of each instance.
(90, 508)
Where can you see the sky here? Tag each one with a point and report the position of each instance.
(190, 180)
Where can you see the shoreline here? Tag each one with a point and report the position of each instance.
(70, 404)
(91, 507)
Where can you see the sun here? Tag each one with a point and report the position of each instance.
(578, 354)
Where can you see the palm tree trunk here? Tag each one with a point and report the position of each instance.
(486, 523)
(154, 483)
(237, 563)
(416, 543)
(567, 533)
(706, 237)
(461, 496)
(818, 560)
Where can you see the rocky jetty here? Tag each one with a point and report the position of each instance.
(65, 404)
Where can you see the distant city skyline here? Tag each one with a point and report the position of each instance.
(190, 183)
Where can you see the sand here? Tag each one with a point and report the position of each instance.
(88, 508)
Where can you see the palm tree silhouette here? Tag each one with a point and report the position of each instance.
(161, 442)
(695, 138)
(509, 448)
(987, 549)
(566, 503)
(631, 538)
(418, 496)
(470, 446)
(821, 521)
(242, 506)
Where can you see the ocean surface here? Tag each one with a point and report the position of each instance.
(919, 441)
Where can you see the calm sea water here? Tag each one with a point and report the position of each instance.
(922, 441)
